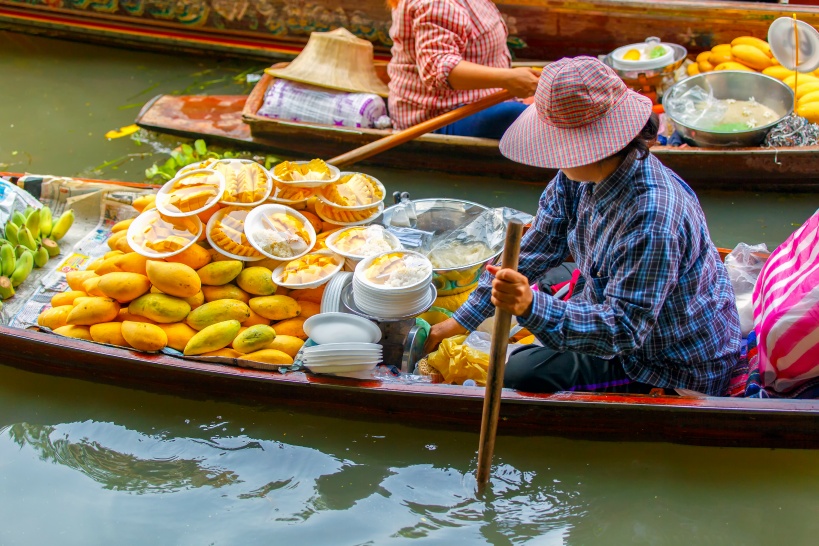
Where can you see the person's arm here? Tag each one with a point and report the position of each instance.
(521, 81)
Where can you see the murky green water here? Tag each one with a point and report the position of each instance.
(82, 463)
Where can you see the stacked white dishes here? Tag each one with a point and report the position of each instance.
(347, 345)
(393, 284)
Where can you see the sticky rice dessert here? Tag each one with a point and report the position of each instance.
(308, 269)
(361, 242)
(353, 190)
(398, 270)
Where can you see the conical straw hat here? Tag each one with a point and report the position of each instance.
(336, 60)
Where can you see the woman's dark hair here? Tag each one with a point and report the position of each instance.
(644, 140)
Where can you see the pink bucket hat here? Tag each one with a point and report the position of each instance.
(583, 112)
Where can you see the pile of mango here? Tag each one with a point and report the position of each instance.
(749, 53)
(29, 240)
(198, 302)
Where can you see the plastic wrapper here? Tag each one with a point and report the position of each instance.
(744, 264)
(293, 101)
(460, 358)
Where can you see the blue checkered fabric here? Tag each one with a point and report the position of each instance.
(653, 289)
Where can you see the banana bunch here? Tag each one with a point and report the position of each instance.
(28, 240)
(743, 53)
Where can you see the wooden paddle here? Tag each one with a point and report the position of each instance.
(393, 140)
(497, 362)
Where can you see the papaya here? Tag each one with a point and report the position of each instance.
(123, 287)
(219, 273)
(160, 308)
(217, 311)
(55, 317)
(212, 338)
(93, 311)
(78, 332)
(67, 298)
(144, 336)
(289, 345)
(76, 278)
(268, 356)
(178, 334)
(257, 280)
(275, 307)
(195, 257)
(291, 327)
(225, 292)
(255, 338)
(174, 279)
(108, 332)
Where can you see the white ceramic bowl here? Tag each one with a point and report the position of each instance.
(643, 64)
(153, 217)
(344, 177)
(218, 217)
(164, 194)
(341, 328)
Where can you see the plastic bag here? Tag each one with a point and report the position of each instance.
(786, 310)
(299, 102)
(744, 264)
(463, 357)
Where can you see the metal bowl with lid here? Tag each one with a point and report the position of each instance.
(736, 85)
(443, 215)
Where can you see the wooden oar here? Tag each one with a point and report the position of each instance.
(384, 144)
(497, 362)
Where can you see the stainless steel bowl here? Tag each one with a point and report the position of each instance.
(439, 215)
(738, 85)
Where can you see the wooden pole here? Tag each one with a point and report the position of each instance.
(497, 362)
(395, 139)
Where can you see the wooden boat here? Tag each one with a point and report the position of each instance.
(680, 419)
(220, 119)
(539, 29)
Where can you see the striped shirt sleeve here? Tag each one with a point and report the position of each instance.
(441, 33)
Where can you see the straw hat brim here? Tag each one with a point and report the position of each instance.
(376, 87)
(531, 141)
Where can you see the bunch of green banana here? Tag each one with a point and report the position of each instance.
(28, 240)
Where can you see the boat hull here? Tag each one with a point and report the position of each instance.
(270, 29)
(686, 420)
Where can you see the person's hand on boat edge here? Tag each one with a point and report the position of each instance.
(511, 291)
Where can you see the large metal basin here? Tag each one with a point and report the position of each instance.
(738, 85)
(438, 216)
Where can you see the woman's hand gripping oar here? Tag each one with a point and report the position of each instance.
(497, 361)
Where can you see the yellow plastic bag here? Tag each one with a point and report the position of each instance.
(458, 362)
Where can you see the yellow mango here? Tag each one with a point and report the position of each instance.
(125, 315)
(798, 79)
(810, 111)
(750, 56)
(112, 254)
(703, 56)
(705, 66)
(94, 264)
(808, 97)
(717, 58)
(174, 279)
(219, 273)
(76, 278)
(225, 352)
(144, 336)
(195, 257)
(133, 263)
(268, 356)
(78, 332)
(123, 246)
(122, 225)
(225, 292)
(779, 72)
(275, 307)
(143, 201)
(108, 332)
(291, 327)
(761, 45)
(257, 280)
(55, 317)
(308, 308)
(67, 298)
(115, 237)
(268, 263)
(196, 300)
(217, 311)
(692, 69)
(160, 308)
(289, 345)
(216, 256)
(179, 334)
(732, 65)
(91, 287)
(255, 319)
(93, 311)
(804, 88)
(213, 337)
(255, 338)
(722, 48)
(123, 287)
(108, 266)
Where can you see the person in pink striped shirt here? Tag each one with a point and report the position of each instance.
(448, 53)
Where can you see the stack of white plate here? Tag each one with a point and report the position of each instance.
(347, 345)
(389, 298)
(331, 300)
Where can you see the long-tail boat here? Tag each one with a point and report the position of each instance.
(267, 29)
(734, 422)
(233, 120)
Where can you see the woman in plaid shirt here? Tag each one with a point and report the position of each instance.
(655, 307)
(448, 53)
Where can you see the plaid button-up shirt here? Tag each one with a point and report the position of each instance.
(653, 291)
(429, 38)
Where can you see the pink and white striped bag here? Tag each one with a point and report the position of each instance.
(786, 310)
